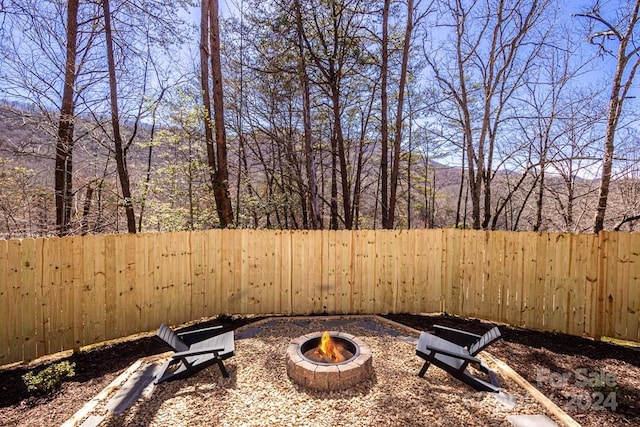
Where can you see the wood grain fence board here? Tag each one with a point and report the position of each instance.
(344, 271)
(183, 276)
(563, 290)
(228, 245)
(381, 271)
(285, 275)
(277, 273)
(530, 265)
(406, 283)
(13, 291)
(213, 266)
(552, 303)
(135, 289)
(611, 300)
(49, 301)
(111, 286)
(169, 292)
(140, 280)
(335, 275)
(273, 288)
(162, 279)
(39, 277)
(369, 269)
(28, 299)
(622, 285)
(493, 265)
(467, 307)
(549, 284)
(121, 291)
(58, 291)
(175, 290)
(144, 280)
(68, 294)
(341, 281)
(633, 307)
(129, 304)
(316, 274)
(391, 265)
(510, 277)
(417, 276)
(396, 249)
(579, 284)
(237, 279)
(592, 261)
(419, 273)
(242, 263)
(329, 282)
(95, 299)
(400, 276)
(254, 286)
(358, 256)
(473, 272)
(452, 271)
(432, 264)
(154, 280)
(301, 292)
(6, 352)
(136, 276)
(77, 246)
(540, 313)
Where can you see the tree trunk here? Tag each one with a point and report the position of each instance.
(121, 161)
(395, 171)
(221, 184)
(384, 125)
(619, 93)
(63, 182)
(314, 203)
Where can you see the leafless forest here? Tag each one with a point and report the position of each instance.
(146, 115)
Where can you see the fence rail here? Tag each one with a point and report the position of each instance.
(64, 293)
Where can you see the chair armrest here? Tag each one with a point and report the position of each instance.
(197, 331)
(197, 352)
(428, 342)
(462, 338)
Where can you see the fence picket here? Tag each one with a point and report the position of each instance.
(63, 293)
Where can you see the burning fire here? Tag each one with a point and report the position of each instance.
(329, 350)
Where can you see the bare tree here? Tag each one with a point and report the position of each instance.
(64, 147)
(398, 130)
(494, 45)
(627, 61)
(121, 160)
(216, 150)
(314, 203)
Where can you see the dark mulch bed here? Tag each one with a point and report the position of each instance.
(567, 369)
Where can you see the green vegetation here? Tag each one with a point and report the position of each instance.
(49, 378)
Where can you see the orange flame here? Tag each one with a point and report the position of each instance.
(329, 349)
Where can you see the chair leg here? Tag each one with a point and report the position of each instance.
(424, 369)
(222, 368)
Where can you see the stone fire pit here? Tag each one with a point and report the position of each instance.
(309, 368)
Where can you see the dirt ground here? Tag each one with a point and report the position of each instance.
(597, 383)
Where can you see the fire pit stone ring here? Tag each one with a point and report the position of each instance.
(329, 376)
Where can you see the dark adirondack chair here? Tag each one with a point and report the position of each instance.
(191, 358)
(454, 351)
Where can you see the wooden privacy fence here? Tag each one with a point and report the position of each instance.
(63, 293)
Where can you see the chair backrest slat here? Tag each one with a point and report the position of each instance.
(172, 338)
(489, 337)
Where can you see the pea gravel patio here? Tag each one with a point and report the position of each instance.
(259, 392)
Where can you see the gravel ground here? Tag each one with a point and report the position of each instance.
(258, 391)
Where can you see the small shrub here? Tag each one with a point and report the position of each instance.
(49, 378)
